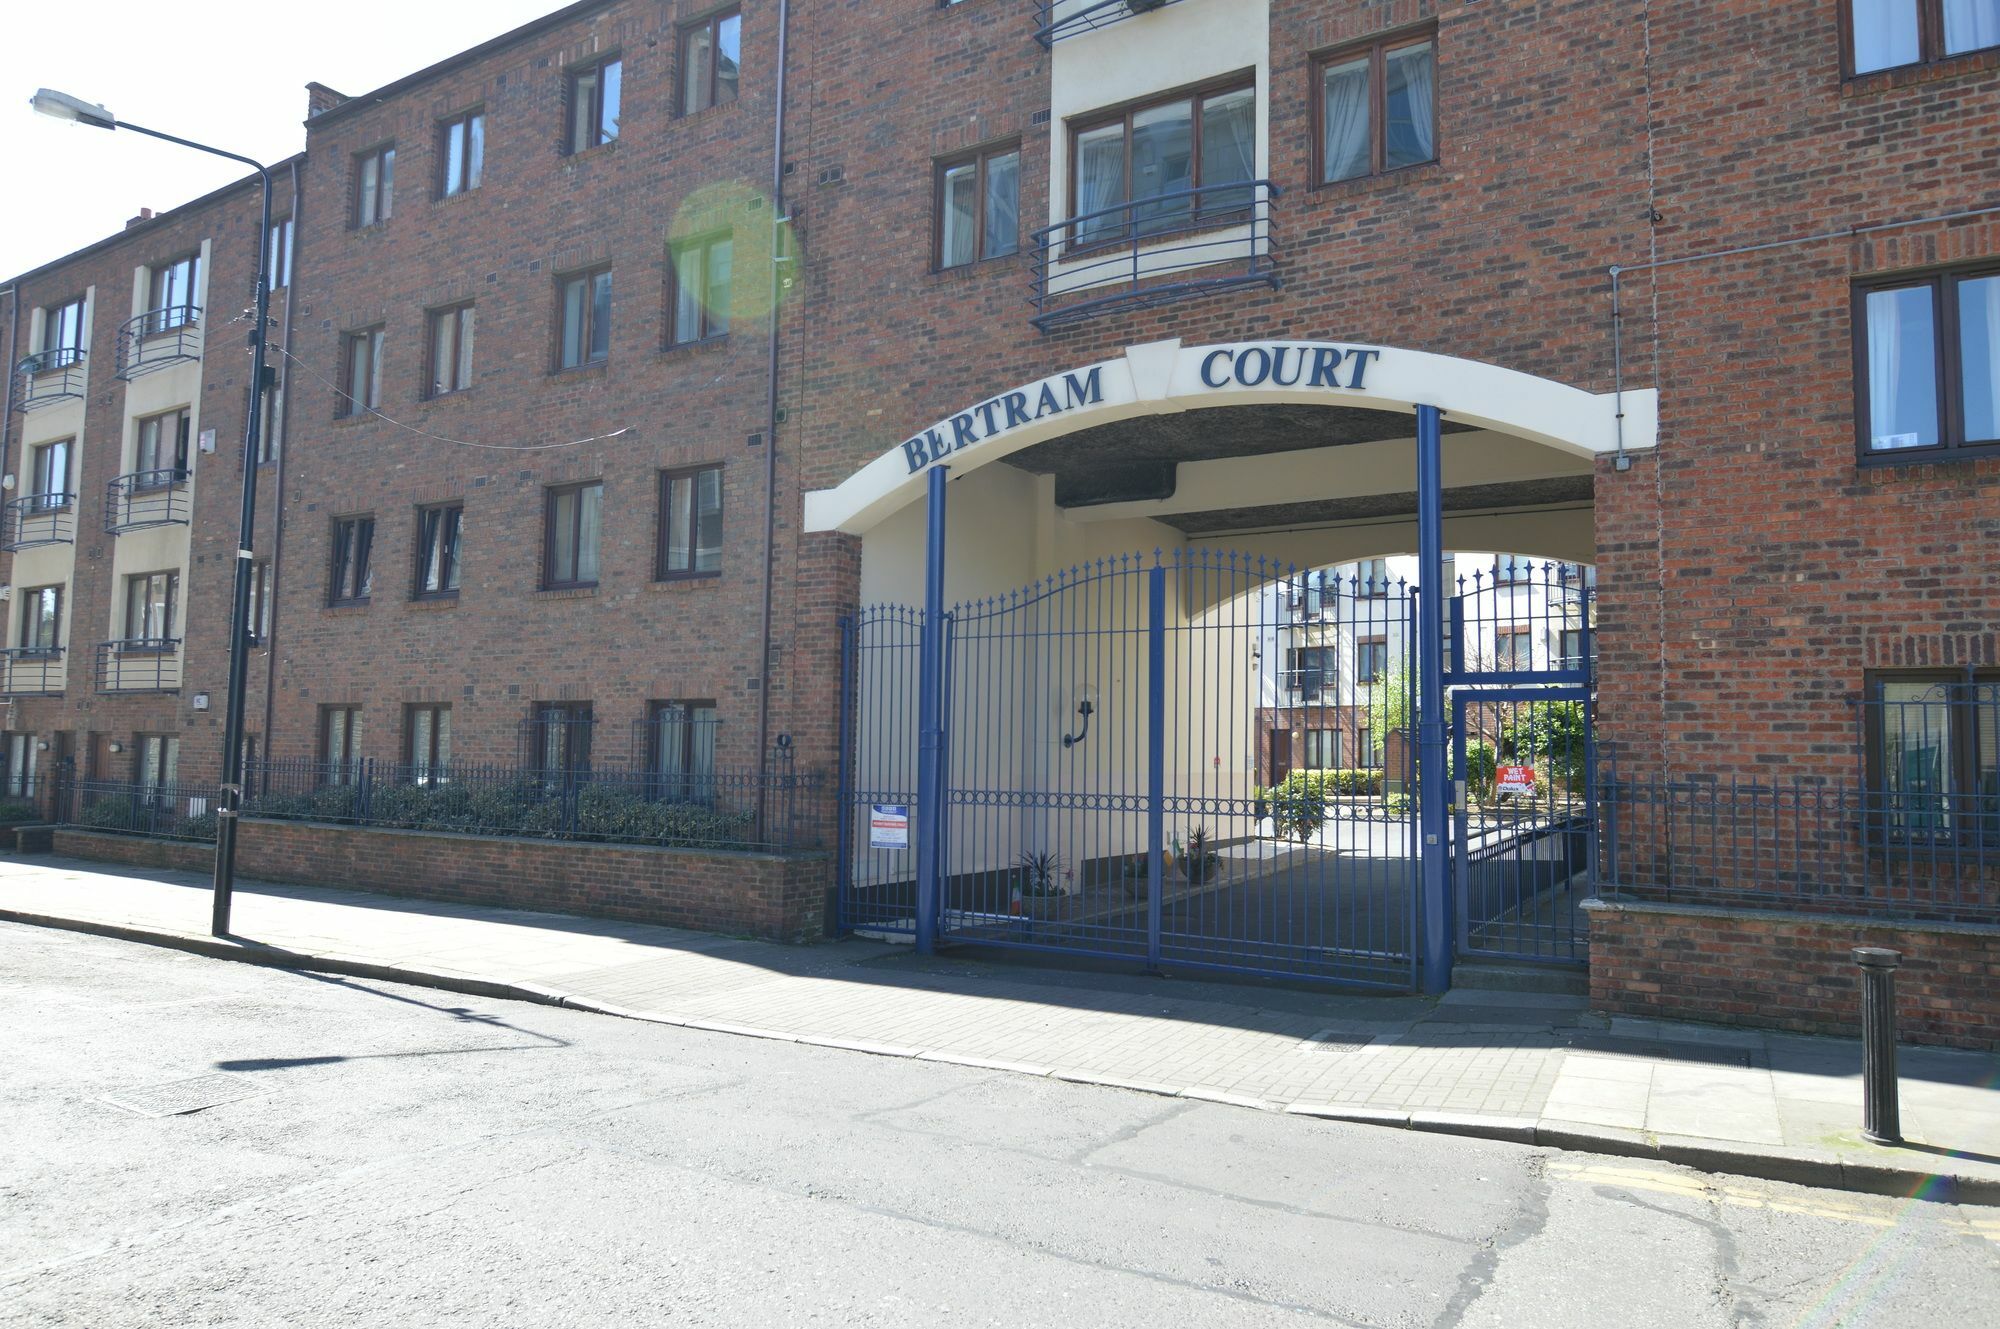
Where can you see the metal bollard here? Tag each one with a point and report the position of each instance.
(1881, 1120)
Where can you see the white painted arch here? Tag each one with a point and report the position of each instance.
(1166, 377)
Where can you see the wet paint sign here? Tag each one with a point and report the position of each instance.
(1516, 780)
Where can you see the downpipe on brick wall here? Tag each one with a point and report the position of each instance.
(778, 262)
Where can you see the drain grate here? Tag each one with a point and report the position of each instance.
(1661, 1049)
(1332, 1040)
(184, 1096)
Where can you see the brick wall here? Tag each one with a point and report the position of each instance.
(1791, 971)
(770, 896)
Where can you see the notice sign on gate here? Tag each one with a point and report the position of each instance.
(1516, 780)
(889, 826)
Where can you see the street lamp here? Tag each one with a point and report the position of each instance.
(62, 106)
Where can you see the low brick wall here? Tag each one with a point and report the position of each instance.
(776, 897)
(1778, 970)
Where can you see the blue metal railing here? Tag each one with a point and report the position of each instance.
(1523, 622)
(1155, 250)
(158, 339)
(38, 519)
(139, 664)
(48, 377)
(32, 671)
(1057, 19)
(146, 498)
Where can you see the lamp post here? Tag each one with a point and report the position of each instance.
(62, 106)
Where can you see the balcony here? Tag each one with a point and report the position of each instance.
(146, 498)
(49, 377)
(1153, 251)
(159, 339)
(1057, 19)
(38, 519)
(31, 671)
(139, 664)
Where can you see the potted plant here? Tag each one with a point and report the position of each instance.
(1038, 888)
(1196, 859)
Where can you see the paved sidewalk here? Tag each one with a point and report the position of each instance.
(1536, 1069)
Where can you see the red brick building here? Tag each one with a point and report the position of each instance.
(1705, 291)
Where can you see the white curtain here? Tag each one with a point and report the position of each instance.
(1970, 25)
(1100, 181)
(1345, 120)
(1419, 69)
(1003, 204)
(1979, 312)
(1885, 34)
(1885, 360)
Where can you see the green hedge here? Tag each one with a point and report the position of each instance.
(13, 814)
(1331, 784)
(132, 816)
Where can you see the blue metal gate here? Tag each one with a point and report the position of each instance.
(1110, 744)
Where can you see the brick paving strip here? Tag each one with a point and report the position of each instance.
(1529, 1068)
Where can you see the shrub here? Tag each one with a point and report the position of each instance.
(1481, 765)
(13, 814)
(1298, 809)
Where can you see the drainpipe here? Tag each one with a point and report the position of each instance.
(778, 221)
(13, 294)
(272, 602)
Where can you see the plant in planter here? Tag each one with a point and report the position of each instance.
(1196, 859)
(1037, 883)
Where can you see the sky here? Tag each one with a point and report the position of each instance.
(231, 73)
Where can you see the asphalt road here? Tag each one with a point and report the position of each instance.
(397, 1157)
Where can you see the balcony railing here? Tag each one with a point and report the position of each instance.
(48, 377)
(38, 519)
(31, 671)
(146, 498)
(159, 338)
(139, 664)
(1154, 251)
(1057, 19)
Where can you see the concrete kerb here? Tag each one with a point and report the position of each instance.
(1770, 1163)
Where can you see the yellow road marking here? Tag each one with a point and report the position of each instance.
(1742, 1197)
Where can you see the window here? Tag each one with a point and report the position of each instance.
(1371, 578)
(1927, 371)
(701, 288)
(340, 744)
(150, 601)
(20, 757)
(353, 572)
(462, 153)
(559, 737)
(362, 372)
(62, 334)
(690, 523)
(170, 295)
(1308, 594)
(280, 253)
(161, 454)
(437, 549)
(48, 475)
(1511, 571)
(569, 556)
(1934, 755)
(711, 58)
(374, 186)
(271, 431)
(1882, 34)
(451, 350)
(1322, 749)
(979, 207)
(1572, 650)
(158, 757)
(1364, 747)
(680, 741)
(260, 601)
(427, 742)
(1152, 154)
(1377, 107)
(1514, 650)
(1308, 669)
(586, 320)
(41, 619)
(1371, 659)
(593, 105)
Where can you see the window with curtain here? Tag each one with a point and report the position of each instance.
(681, 749)
(280, 253)
(1308, 670)
(20, 756)
(979, 206)
(48, 475)
(1377, 107)
(1934, 754)
(353, 578)
(1887, 34)
(160, 452)
(438, 529)
(150, 602)
(595, 92)
(374, 186)
(559, 734)
(701, 276)
(340, 744)
(690, 523)
(1371, 659)
(462, 153)
(171, 295)
(1928, 363)
(62, 334)
(41, 619)
(363, 372)
(584, 337)
(572, 529)
(427, 743)
(451, 350)
(1162, 165)
(711, 60)
(1322, 749)
(260, 601)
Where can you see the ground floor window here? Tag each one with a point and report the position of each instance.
(559, 737)
(1933, 746)
(159, 759)
(681, 747)
(1322, 749)
(340, 743)
(19, 754)
(427, 742)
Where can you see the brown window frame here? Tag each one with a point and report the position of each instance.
(452, 561)
(573, 718)
(712, 23)
(472, 170)
(1952, 443)
(182, 446)
(1362, 675)
(708, 330)
(376, 339)
(345, 768)
(163, 317)
(348, 532)
(1965, 756)
(460, 314)
(693, 474)
(657, 714)
(260, 602)
(1506, 655)
(1930, 40)
(434, 762)
(52, 340)
(588, 276)
(593, 123)
(383, 155)
(1077, 126)
(62, 496)
(28, 622)
(977, 159)
(1377, 49)
(173, 589)
(552, 495)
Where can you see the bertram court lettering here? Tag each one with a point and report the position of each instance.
(1311, 365)
(1011, 410)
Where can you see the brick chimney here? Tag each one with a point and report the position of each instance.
(145, 215)
(320, 99)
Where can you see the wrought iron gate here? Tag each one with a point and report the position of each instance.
(1108, 738)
